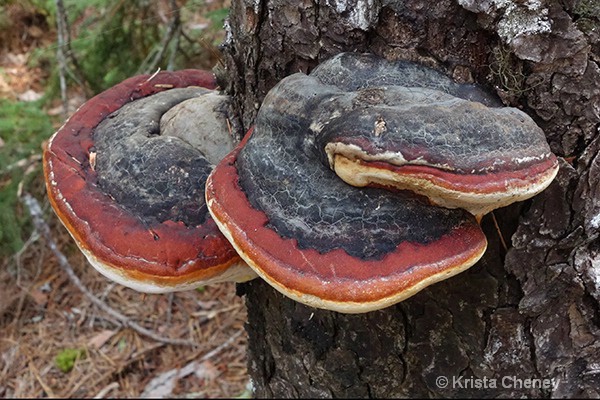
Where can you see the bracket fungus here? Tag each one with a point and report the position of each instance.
(441, 147)
(125, 175)
(451, 142)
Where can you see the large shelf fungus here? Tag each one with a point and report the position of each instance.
(395, 126)
(125, 175)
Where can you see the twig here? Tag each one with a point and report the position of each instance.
(38, 377)
(101, 394)
(169, 307)
(220, 347)
(502, 241)
(64, 47)
(60, 55)
(168, 36)
(174, 48)
(24, 289)
(23, 163)
(105, 293)
(163, 384)
(42, 227)
(119, 368)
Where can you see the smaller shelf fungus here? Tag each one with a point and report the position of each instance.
(125, 175)
(451, 142)
(436, 153)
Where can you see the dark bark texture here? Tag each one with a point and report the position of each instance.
(529, 312)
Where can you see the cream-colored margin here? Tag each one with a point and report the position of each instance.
(478, 204)
(342, 307)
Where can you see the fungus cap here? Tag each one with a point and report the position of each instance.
(423, 132)
(127, 184)
(369, 250)
(330, 245)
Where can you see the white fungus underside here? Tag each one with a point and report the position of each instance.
(238, 272)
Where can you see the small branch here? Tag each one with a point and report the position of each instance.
(42, 227)
(106, 390)
(169, 307)
(162, 385)
(60, 55)
(47, 389)
(172, 29)
(65, 53)
(174, 47)
(502, 241)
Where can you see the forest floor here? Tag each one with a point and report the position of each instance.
(55, 342)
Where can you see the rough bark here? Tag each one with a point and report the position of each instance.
(532, 312)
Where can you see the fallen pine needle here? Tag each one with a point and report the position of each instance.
(162, 385)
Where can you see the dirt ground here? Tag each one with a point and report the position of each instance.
(43, 315)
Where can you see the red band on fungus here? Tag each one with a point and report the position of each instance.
(334, 280)
(450, 151)
(165, 254)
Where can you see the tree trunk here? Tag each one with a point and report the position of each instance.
(523, 321)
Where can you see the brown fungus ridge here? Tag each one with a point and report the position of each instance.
(149, 254)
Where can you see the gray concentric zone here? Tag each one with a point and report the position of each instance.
(155, 177)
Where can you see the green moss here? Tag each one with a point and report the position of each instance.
(65, 360)
(587, 25)
(508, 73)
(588, 13)
(23, 127)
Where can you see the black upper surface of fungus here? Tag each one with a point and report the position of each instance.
(414, 138)
(427, 116)
(283, 169)
(426, 126)
(305, 200)
(156, 176)
(345, 98)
